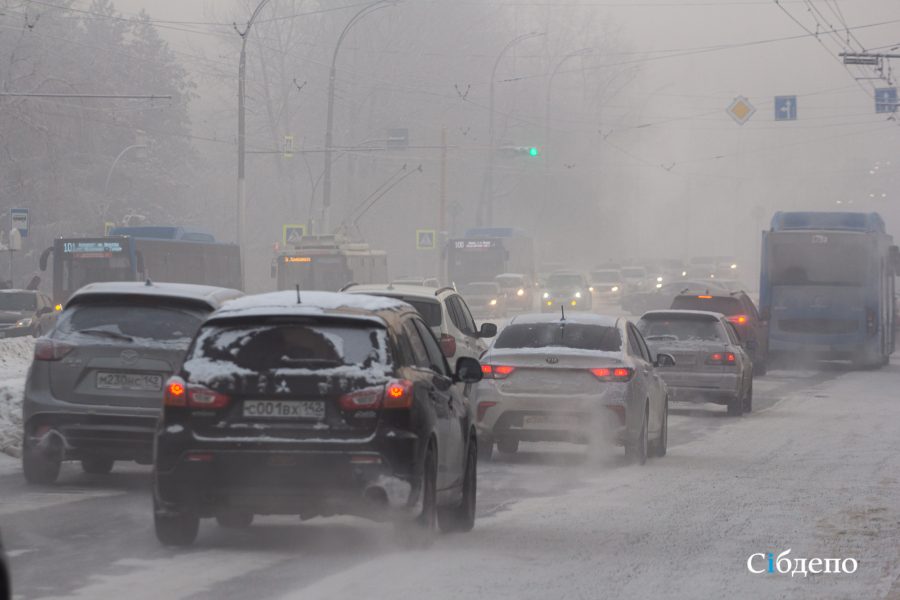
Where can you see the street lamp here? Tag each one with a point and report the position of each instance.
(113, 168)
(488, 193)
(329, 121)
(582, 52)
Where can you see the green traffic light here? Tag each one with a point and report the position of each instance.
(533, 151)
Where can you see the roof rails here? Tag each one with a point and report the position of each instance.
(447, 288)
(348, 286)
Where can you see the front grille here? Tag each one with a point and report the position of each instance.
(819, 326)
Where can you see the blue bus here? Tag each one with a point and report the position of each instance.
(171, 254)
(827, 286)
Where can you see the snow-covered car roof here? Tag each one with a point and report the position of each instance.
(678, 313)
(571, 317)
(411, 291)
(18, 291)
(285, 303)
(210, 295)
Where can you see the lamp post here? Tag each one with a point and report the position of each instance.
(329, 119)
(547, 121)
(112, 168)
(487, 212)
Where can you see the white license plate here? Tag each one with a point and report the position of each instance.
(550, 422)
(137, 382)
(284, 409)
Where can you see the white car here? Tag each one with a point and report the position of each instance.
(444, 311)
(585, 377)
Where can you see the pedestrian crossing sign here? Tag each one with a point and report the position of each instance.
(291, 235)
(425, 239)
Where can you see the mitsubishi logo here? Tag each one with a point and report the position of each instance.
(129, 357)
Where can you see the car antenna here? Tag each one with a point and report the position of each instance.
(148, 283)
(563, 309)
(298, 294)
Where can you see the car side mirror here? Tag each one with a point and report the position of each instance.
(488, 330)
(468, 370)
(664, 360)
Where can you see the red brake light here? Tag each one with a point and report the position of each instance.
(496, 372)
(738, 319)
(705, 297)
(399, 394)
(47, 349)
(448, 345)
(364, 399)
(176, 394)
(722, 358)
(619, 374)
(201, 397)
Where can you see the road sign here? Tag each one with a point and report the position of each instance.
(740, 110)
(291, 235)
(19, 218)
(886, 100)
(425, 239)
(785, 108)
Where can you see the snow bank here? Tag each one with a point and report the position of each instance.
(15, 358)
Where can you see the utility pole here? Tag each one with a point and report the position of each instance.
(329, 119)
(486, 212)
(442, 211)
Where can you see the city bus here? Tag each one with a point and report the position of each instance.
(328, 263)
(827, 286)
(172, 254)
(487, 252)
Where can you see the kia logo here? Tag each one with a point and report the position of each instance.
(129, 357)
(552, 360)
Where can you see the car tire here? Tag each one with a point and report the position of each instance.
(736, 405)
(485, 449)
(38, 466)
(636, 451)
(419, 532)
(508, 446)
(461, 518)
(661, 446)
(748, 398)
(178, 529)
(234, 519)
(760, 368)
(97, 465)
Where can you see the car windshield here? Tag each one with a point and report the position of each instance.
(18, 301)
(564, 281)
(574, 335)
(480, 289)
(720, 304)
(607, 276)
(510, 281)
(131, 321)
(680, 328)
(273, 345)
(634, 273)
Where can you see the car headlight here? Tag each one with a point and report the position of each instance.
(24, 322)
(520, 292)
(734, 266)
(591, 289)
(546, 295)
(684, 273)
(493, 302)
(615, 288)
(578, 294)
(659, 280)
(658, 285)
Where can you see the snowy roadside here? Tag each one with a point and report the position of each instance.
(15, 358)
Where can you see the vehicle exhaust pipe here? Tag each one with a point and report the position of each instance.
(376, 496)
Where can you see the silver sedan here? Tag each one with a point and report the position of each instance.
(712, 366)
(572, 379)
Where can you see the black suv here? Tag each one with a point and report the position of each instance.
(740, 310)
(316, 404)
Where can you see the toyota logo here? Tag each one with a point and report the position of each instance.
(552, 360)
(129, 357)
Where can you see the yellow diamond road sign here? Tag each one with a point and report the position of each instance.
(741, 110)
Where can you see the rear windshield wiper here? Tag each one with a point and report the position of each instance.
(108, 334)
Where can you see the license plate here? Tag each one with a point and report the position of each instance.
(138, 382)
(284, 409)
(549, 422)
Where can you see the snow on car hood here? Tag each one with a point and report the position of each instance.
(310, 303)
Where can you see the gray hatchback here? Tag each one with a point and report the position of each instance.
(94, 390)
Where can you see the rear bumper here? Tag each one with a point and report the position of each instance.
(14, 332)
(377, 478)
(687, 386)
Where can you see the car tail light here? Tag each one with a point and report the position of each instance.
(620, 374)
(365, 399)
(47, 349)
(738, 319)
(870, 321)
(497, 371)
(705, 297)
(448, 345)
(176, 392)
(483, 408)
(722, 358)
(398, 394)
(201, 397)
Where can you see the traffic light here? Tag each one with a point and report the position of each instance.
(533, 151)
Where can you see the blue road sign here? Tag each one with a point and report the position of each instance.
(785, 108)
(19, 218)
(886, 100)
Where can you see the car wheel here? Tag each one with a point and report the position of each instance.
(178, 529)
(748, 398)
(760, 368)
(234, 519)
(485, 449)
(40, 466)
(97, 465)
(736, 405)
(461, 518)
(662, 444)
(508, 446)
(637, 450)
(419, 532)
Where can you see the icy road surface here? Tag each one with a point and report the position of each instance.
(814, 469)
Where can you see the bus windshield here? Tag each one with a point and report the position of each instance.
(804, 263)
(80, 262)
